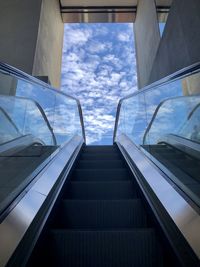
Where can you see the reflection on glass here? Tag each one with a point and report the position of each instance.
(164, 122)
(178, 116)
(8, 129)
(35, 122)
(191, 128)
(26, 118)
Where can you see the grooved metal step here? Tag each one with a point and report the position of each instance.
(101, 214)
(101, 174)
(100, 148)
(137, 248)
(97, 164)
(100, 221)
(100, 190)
(100, 156)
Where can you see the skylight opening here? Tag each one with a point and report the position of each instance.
(99, 68)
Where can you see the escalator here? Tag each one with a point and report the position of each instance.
(63, 203)
(101, 219)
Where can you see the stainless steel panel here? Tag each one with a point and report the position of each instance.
(13, 228)
(48, 178)
(182, 213)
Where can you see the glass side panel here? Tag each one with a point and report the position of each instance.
(66, 122)
(26, 118)
(8, 129)
(177, 116)
(164, 122)
(35, 122)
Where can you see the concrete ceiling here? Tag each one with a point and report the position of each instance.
(99, 3)
(102, 10)
(104, 3)
(164, 2)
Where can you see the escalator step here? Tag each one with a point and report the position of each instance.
(101, 214)
(100, 148)
(105, 164)
(105, 248)
(101, 175)
(100, 156)
(100, 190)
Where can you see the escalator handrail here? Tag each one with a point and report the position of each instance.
(7, 69)
(175, 76)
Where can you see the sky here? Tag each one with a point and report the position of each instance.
(99, 68)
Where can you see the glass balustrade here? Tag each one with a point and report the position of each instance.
(36, 121)
(163, 121)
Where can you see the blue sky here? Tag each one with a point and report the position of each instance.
(99, 67)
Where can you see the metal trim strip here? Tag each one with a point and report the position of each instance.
(185, 217)
(17, 222)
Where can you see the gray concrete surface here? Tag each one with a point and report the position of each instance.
(19, 21)
(48, 54)
(147, 38)
(180, 44)
(31, 37)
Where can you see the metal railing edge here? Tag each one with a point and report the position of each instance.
(172, 77)
(22, 75)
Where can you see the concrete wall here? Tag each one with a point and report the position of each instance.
(48, 55)
(180, 44)
(19, 21)
(31, 37)
(147, 38)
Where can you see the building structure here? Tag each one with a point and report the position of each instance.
(32, 33)
(133, 203)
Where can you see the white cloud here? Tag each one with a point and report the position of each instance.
(99, 73)
(75, 37)
(123, 37)
(96, 47)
